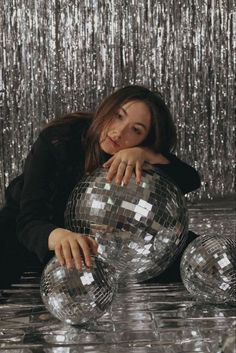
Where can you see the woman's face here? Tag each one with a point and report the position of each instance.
(129, 127)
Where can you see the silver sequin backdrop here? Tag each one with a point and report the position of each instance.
(59, 56)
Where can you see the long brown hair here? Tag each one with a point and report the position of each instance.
(162, 135)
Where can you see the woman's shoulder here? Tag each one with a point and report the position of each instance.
(66, 128)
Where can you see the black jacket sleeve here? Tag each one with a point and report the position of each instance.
(182, 174)
(52, 168)
(33, 224)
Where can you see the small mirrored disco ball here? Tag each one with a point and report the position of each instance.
(139, 228)
(76, 297)
(208, 268)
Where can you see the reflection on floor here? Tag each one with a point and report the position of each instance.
(144, 318)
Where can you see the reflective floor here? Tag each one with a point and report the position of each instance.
(143, 318)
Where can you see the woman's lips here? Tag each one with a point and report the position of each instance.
(114, 143)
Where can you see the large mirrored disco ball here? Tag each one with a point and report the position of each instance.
(139, 228)
(208, 268)
(77, 297)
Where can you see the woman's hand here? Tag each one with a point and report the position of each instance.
(124, 162)
(72, 248)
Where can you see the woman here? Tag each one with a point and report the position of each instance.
(130, 127)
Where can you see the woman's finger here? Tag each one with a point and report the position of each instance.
(108, 162)
(75, 250)
(113, 169)
(93, 245)
(128, 173)
(138, 172)
(83, 243)
(121, 171)
(59, 255)
(66, 250)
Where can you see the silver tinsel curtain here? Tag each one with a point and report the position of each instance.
(59, 56)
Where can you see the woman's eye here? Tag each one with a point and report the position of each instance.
(137, 131)
(118, 116)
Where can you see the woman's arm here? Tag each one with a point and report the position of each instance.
(123, 163)
(182, 174)
(34, 220)
(35, 223)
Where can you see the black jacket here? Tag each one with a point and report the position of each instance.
(37, 198)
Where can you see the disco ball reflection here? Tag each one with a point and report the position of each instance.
(77, 297)
(139, 228)
(208, 268)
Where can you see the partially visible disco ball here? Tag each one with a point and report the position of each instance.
(76, 297)
(208, 268)
(139, 228)
(229, 339)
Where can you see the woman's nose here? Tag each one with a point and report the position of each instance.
(119, 130)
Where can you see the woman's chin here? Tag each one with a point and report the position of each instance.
(107, 149)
